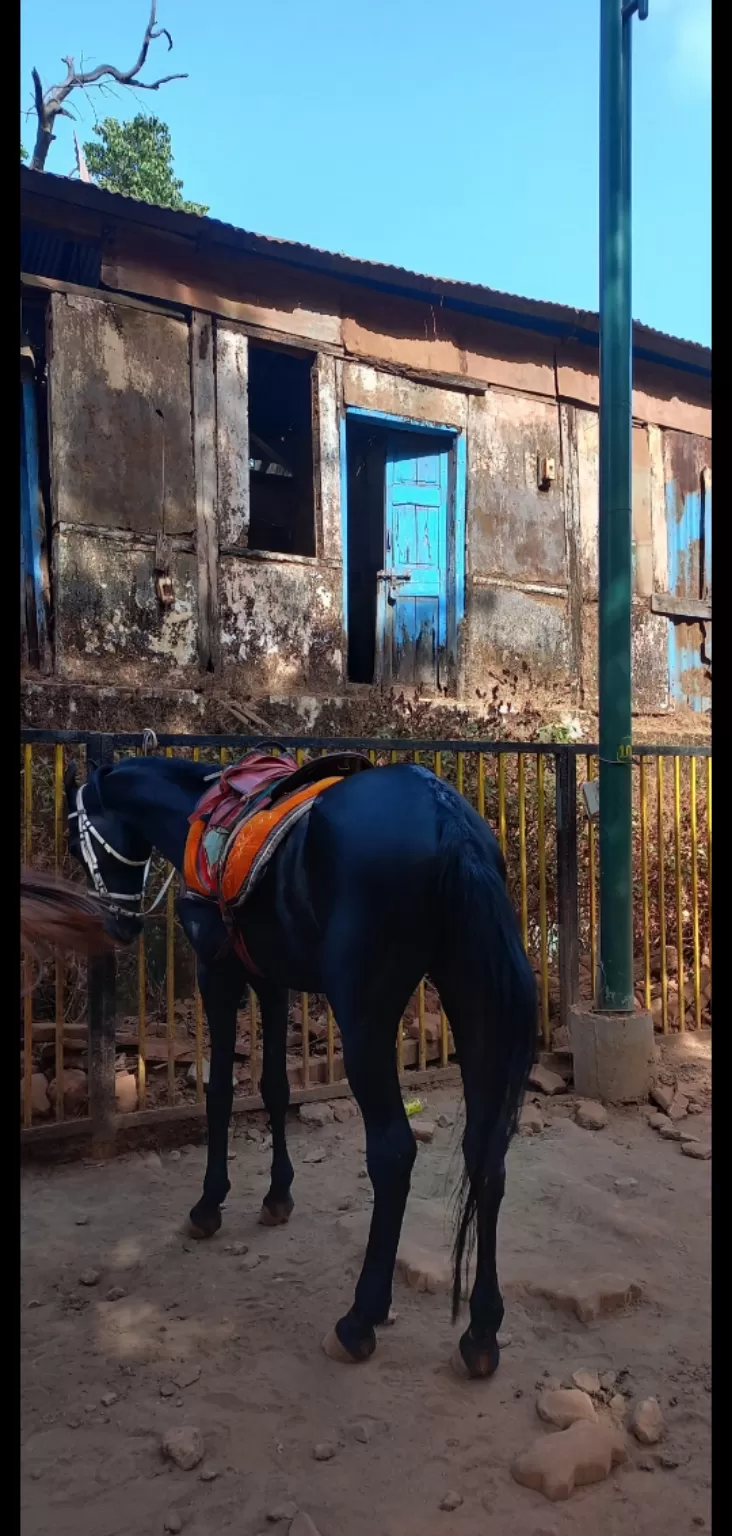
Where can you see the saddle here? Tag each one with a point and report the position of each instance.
(245, 816)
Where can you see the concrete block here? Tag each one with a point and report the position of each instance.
(613, 1054)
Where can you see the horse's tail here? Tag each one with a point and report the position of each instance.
(56, 914)
(496, 1038)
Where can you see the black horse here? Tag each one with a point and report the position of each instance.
(391, 876)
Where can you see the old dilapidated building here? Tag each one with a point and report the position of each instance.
(259, 471)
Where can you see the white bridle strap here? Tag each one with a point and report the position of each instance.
(87, 832)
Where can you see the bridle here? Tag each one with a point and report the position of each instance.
(89, 835)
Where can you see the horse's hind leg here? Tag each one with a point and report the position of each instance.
(368, 1030)
(278, 1204)
(484, 1149)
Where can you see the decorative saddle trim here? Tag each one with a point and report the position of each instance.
(242, 819)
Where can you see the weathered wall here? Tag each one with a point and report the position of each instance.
(147, 431)
(280, 624)
(110, 627)
(121, 444)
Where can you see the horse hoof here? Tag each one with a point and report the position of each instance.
(204, 1223)
(276, 1215)
(480, 1363)
(335, 1349)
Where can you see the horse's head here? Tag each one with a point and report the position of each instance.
(116, 859)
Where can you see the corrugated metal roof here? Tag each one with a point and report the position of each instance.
(583, 325)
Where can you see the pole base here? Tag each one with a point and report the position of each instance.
(613, 1054)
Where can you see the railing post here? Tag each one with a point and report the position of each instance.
(102, 1008)
(567, 882)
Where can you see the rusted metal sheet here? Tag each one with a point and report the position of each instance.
(515, 529)
(281, 622)
(121, 449)
(689, 532)
(372, 390)
(248, 289)
(110, 627)
(232, 435)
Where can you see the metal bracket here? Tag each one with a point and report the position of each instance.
(641, 6)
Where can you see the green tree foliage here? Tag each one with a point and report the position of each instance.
(23, 152)
(136, 159)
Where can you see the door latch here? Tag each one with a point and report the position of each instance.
(393, 580)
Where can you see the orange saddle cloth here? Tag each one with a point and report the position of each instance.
(247, 813)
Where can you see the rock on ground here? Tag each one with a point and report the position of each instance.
(530, 1120)
(647, 1421)
(588, 1381)
(324, 1451)
(701, 1150)
(75, 1089)
(565, 1407)
(589, 1299)
(545, 1081)
(184, 1446)
(316, 1115)
(424, 1130)
(663, 1096)
(557, 1464)
(590, 1116)
(451, 1501)
(284, 1511)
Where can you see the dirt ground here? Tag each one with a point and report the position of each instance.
(243, 1329)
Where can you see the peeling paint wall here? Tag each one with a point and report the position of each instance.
(121, 445)
(280, 623)
(110, 626)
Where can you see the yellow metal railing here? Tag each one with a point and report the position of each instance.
(515, 790)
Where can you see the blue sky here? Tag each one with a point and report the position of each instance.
(458, 139)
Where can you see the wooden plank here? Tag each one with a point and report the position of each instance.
(123, 300)
(232, 435)
(327, 387)
(204, 461)
(680, 607)
(214, 290)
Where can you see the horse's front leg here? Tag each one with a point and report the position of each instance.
(221, 983)
(278, 1204)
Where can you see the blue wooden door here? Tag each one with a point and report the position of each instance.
(412, 595)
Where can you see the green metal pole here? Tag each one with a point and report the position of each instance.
(615, 984)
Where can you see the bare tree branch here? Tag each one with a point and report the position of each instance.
(50, 104)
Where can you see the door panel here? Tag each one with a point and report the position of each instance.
(412, 599)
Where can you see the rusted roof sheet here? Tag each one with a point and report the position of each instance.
(533, 314)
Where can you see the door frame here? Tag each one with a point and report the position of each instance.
(455, 439)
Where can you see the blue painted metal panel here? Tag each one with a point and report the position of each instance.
(414, 612)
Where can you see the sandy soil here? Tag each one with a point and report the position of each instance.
(247, 1326)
